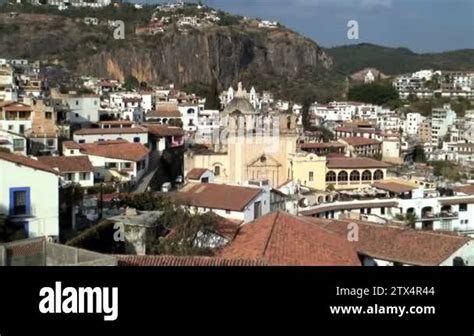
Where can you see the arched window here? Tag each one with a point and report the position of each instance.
(355, 175)
(378, 175)
(217, 170)
(342, 176)
(331, 177)
(366, 175)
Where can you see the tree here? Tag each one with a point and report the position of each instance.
(373, 93)
(9, 232)
(131, 83)
(419, 155)
(213, 101)
(177, 231)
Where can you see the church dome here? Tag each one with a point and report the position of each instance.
(239, 104)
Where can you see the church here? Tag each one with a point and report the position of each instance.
(251, 145)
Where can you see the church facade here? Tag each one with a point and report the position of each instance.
(250, 145)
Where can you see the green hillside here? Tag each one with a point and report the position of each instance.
(392, 61)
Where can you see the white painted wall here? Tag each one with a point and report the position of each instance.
(91, 138)
(44, 196)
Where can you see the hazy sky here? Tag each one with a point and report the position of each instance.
(421, 25)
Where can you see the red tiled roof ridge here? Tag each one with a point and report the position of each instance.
(28, 162)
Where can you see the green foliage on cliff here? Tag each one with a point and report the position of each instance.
(393, 61)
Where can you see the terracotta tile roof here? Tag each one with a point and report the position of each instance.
(454, 201)
(215, 196)
(173, 261)
(115, 122)
(71, 145)
(467, 189)
(394, 187)
(68, 164)
(15, 106)
(118, 131)
(285, 240)
(339, 162)
(196, 173)
(360, 141)
(321, 145)
(227, 227)
(27, 162)
(165, 110)
(348, 206)
(414, 247)
(121, 150)
(164, 131)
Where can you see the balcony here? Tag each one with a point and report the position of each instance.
(439, 216)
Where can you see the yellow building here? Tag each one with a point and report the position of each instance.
(308, 170)
(249, 146)
(340, 173)
(353, 173)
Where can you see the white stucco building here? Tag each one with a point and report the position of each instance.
(29, 195)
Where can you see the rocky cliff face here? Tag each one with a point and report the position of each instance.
(226, 53)
(202, 56)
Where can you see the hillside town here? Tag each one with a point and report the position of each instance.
(71, 158)
(114, 171)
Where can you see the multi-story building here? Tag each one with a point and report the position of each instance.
(441, 119)
(15, 117)
(424, 131)
(77, 108)
(113, 160)
(413, 122)
(130, 134)
(391, 200)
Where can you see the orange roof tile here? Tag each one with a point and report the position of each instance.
(286, 240)
(27, 162)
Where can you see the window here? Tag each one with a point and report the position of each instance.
(77, 102)
(342, 176)
(463, 207)
(69, 177)
(82, 141)
(311, 176)
(378, 175)
(10, 127)
(227, 212)
(85, 176)
(126, 165)
(19, 201)
(331, 177)
(49, 115)
(355, 175)
(50, 142)
(217, 170)
(382, 211)
(110, 165)
(136, 139)
(18, 144)
(366, 175)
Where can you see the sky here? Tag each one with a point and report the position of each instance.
(420, 25)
